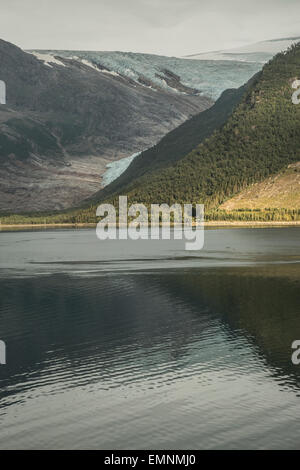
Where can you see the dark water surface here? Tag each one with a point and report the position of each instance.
(124, 345)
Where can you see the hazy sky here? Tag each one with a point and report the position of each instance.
(169, 27)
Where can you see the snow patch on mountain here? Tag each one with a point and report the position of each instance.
(98, 69)
(48, 59)
(259, 52)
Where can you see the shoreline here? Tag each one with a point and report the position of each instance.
(212, 223)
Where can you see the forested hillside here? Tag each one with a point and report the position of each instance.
(177, 143)
(261, 138)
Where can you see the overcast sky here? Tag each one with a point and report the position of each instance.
(168, 27)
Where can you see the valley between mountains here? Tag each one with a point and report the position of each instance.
(69, 117)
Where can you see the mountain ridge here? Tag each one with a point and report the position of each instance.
(63, 122)
(261, 138)
(176, 144)
(260, 51)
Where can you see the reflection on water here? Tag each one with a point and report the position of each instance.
(116, 348)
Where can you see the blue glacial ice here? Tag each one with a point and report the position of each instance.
(115, 169)
(209, 77)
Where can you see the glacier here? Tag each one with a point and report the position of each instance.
(206, 74)
(207, 77)
(115, 169)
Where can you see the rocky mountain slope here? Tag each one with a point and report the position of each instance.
(64, 120)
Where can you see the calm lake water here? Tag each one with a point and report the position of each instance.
(128, 345)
